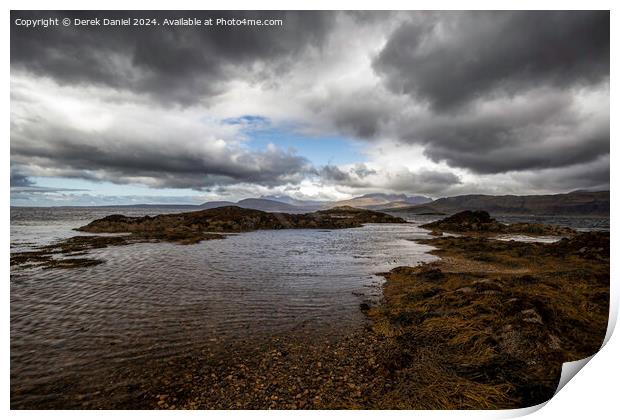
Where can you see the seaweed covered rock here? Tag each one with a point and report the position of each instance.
(538, 229)
(490, 324)
(189, 228)
(467, 221)
(481, 222)
(236, 219)
(588, 245)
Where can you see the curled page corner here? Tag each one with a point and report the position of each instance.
(519, 412)
(569, 370)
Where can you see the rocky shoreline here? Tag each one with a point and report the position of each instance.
(190, 227)
(490, 324)
(186, 229)
(480, 223)
(487, 326)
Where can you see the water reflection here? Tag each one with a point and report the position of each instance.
(151, 302)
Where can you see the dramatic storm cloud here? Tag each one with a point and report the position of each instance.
(451, 58)
(176, 64)
(537, 129)
(326, 105)
(124, 142)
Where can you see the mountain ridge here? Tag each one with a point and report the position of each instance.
(376, 200)
(577, 203)
(287, 204)
(574, 203)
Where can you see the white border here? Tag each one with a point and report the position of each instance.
(593, 392)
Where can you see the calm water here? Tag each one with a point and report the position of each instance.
(82, 333)
(580, 223)
(160, 301)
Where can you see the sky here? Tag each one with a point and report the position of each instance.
(326, 106)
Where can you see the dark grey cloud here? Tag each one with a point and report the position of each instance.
(362, 171)
(490, 92)
(173, 64)
(423, 181)
(20, 180)
(451, 58)
(540, 128)
(544, 130)
(334, 173)
(361, 114)
(23, 187)
(121, 156)
(516, 95)
(594, 175)
(355, 176)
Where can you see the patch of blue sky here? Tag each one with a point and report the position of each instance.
(248, 120)
(319, 149)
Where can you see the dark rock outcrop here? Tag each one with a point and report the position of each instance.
(480, 222)
(467, 221)
(187, 228)
(235, 219)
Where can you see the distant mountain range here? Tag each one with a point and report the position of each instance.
(262, 204)
(382, 201)
(576, 203)
(286, 204)
(293, 201)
